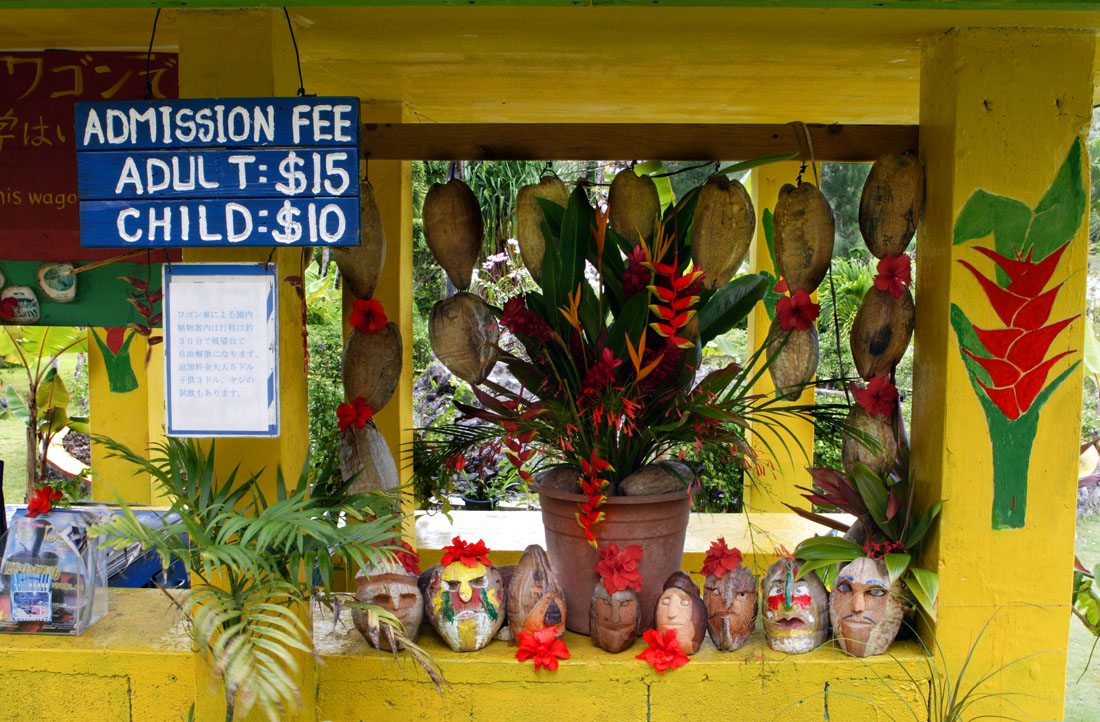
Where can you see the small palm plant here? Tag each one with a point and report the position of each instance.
(256, 562)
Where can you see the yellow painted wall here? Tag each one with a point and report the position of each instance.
(1000, 109)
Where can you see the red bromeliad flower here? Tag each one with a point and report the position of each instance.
(41, 503)
(542, 647)
(721, 559)
(796, 312)
(636, 276)
(598, 378)
(1016, 365)
(368, 316)
(664, 653)
(618, 568)
(879, 398)
(522, 321)
(878, 550)
(894, 274)
(469, 554)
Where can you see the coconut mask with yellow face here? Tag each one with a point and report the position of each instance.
(466, 596)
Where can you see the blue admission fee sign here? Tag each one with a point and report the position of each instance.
(219, 172)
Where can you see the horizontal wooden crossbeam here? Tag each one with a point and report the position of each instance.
(651, 141)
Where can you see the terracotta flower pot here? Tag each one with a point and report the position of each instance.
(658, 524)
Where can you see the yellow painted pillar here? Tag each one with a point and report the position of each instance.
(392, 183)
(1005, 112)
(248, 53)
(781, 467)
(119, 408)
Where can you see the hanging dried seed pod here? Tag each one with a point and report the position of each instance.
(532, 244)
(891, 203)
(464, 333)
(360, 266)
(792, 364)
(634, 206)
(881, 332)
(722, 230)
(878, 450)
(453, 229)
(364, 452)
(371, 365)
(803, 239)
(535, 597)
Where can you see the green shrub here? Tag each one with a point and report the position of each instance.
(326, 388)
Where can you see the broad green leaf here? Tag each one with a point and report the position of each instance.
(872, 491)
(53, 340)
(925, 586)
(80, 424)
(630, 322)
(1059, 213)
(828, 548)
(576, 238)
(756, 163)
(52, 391)
(7, 346)
(917, 532)
(55, 420)
(17, 405)
(730, 305)
(896, 564)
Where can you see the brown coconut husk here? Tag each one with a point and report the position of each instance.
(634, 206)
(891, 204)
(878, 456)
(803, 238)
(529, 219)
(881, 332)
(464, 334)
(792, 361)
(453, 229)
(360, 266)
(722, 229)
(365, 452)
(371, 365)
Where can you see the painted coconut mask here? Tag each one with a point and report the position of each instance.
(679, 608)
(535, 598)
(729, 594)
(796, 611)
(466, 597)
(391, 585)
(865, 609)
(615, 615)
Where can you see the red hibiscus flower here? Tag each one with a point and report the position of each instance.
(468, 554)
(356, 414)
(40, 504)
(408, 557)
(721, 559)
(796, 312)
(368, 316)
(663, 654)
(894, 274)
(541, 646)
(8, 307)
(619, 568)
(879, 398)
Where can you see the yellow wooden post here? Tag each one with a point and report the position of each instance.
(781, 467)
(1003, 112)
(248, 53)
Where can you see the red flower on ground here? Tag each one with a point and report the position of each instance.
(721, 559)
(796, 312)
(894, 274)
(41, 503)
(879, 398)
(618, 568)
(8, 307)
(664, 653)
(368, 316)
(356, 414)
(469, 554)
(522, 321)
(1016, 365)
(541, 646)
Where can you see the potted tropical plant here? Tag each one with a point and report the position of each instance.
(607, 354)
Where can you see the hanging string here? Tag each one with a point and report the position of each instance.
(297, 57)
(149, 58)
(809, 151)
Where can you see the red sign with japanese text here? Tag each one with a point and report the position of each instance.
(39, 214)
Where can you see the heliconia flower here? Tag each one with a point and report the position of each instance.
(41, 503)
(469, 554)
(663, 652)
(894, 274)
(588, 517)
(797, 311)
(879, 398)
(368, 316)
(594, 464)
(1017, 366)
(721, 559)
(542, 647)
(599, 232)
(618, 568)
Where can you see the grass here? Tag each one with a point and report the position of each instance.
(13, 434)
(1083, 698)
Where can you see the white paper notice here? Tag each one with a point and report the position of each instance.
(220, 348)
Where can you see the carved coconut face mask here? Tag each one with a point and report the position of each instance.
(614, 619)
(466, 604)
(396, 593)
(679, 608)
(865, 608)
(795, 612)
(535, 598)
(731, 608)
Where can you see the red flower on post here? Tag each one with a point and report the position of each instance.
(618, 568)
(542, 647)
(796, 312)
(894, 274)
(879, 398)
(41, 503)
(469, 554)
(354, 415)
(721, 559)
(368, 316)
(663, 653)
